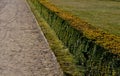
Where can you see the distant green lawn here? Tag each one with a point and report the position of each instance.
(104, 14)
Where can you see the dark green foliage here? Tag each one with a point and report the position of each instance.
(92, 58)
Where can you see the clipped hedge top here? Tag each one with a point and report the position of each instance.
(108, 41)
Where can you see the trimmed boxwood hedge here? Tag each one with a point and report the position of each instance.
(97, 51)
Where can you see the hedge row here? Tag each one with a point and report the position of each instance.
(96, 51)
(108, 41)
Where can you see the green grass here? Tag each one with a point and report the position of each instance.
(103, 14)
(65, 59)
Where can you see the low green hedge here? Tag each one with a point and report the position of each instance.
(98, 52)
(108, 41)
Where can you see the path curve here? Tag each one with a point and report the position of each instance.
(23, 48)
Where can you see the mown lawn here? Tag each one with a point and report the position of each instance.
(104, 14)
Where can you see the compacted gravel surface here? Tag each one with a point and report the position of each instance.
(24, 50)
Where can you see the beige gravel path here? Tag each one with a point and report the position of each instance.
(23, 48)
